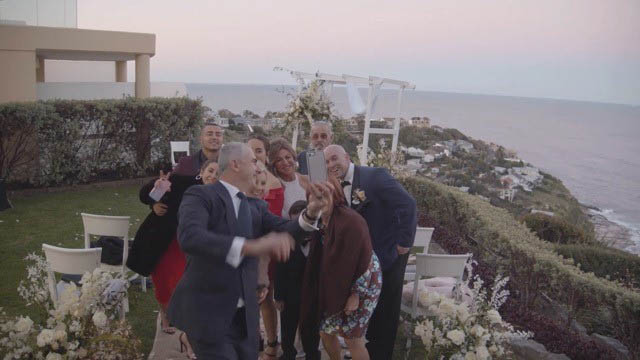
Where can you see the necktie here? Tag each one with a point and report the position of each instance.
(345, 183)
(244, 226)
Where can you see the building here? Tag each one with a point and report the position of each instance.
(34, 32)
(507, 194)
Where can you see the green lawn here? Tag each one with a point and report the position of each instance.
(54, 218)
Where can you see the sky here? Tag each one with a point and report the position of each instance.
(580, 50)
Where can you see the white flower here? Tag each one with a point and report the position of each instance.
(482, 353)
(24, 324)
(470, 356)
(428, 298)
(463, 312)
(45, 337)
(53, 356)
(456, 336)
(60, 335)
(494, 316)
(99, 319)
(447, 307)
(477, 330)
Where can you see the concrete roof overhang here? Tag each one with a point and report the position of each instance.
(76, 44)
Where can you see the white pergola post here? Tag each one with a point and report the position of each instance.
(396, 122)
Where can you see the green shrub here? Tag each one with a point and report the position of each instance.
(605, 262)
(78, 141)
(534, 268)
(555, 229)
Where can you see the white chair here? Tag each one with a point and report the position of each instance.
(422, 240)
(433, 265)
(68, 261)
(178, 146)
(104, 225)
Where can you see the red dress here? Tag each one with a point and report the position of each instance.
(275, 200)
(168, 272)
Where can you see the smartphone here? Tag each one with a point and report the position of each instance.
(317, 166)
(158, 191)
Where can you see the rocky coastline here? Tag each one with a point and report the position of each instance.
(611, 233)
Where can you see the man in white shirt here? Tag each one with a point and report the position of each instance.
(223, 232)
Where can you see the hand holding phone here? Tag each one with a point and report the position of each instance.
(317, 166)
(161, 186)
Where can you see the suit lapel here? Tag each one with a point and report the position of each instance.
(230, 213)
(356, 181)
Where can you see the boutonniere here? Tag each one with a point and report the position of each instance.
(358, 196)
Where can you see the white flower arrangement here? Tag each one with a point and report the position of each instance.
(311, 103)
(84, 325)
(467, 331)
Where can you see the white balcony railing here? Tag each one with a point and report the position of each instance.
(103, 90)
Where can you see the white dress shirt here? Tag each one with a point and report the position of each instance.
(348, 177)
(234, 256)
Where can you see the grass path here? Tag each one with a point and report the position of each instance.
(54, 218)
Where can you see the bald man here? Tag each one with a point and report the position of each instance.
(390, 212)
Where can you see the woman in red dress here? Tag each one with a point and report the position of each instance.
(170, 265)
(273, 194)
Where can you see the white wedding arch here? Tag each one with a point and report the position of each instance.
(374, 83)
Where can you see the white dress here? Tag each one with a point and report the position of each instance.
(293, 191)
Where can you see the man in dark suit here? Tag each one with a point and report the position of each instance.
(222, 232)
(390, 212)
(320, 136)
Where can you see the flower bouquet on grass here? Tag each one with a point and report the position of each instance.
(467, 330)
(84, 325)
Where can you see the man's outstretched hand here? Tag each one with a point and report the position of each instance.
(277, 245)
(318, 199)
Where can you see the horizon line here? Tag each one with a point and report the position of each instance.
(437, 91)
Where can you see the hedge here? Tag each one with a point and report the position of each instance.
(500, 241)
(56, 142)
(555, 229)
(605, 262)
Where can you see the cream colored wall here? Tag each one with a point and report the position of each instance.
(18, 74)
(20, 44)
(64, 39)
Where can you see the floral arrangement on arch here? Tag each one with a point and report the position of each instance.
(309, 104)
(467, 331)
(84, 325)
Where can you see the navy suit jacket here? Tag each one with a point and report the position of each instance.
(205, 300)
(390, 212)
(302, 163)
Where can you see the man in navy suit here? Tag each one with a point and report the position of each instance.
(390, 212)
(222, 232)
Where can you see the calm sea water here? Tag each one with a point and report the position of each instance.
(593, 148)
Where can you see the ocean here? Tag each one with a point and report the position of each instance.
(594, 148)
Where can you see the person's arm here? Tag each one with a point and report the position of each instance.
(402, 205)
(193, 234)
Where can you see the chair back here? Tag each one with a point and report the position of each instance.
(178, 146)
(437, 265)
(423, 238)
(68, 261)
(104, 225)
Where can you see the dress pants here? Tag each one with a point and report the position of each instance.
(310, 338)
(383, 324)
(234, 346)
